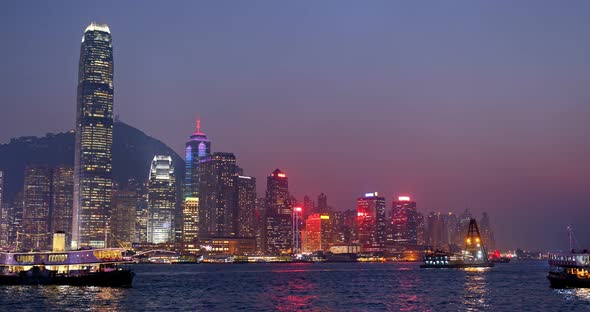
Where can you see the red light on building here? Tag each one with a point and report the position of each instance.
(282, 175)
(403, 198)
(298, 209)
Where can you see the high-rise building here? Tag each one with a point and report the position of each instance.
(318, 232)
(161, 200)
(197, 147)
(404, 221)
(5, 216)
(441, 228)
(124, 215)
(487, 234)
(371, 221)
(62, 201)
(217, 195)
(323, 203)
(1, 186)
(308, 207)
(190, 216)
(245, 202)
(94, 138)
(37, 203)
(278, 225)
(141, 210)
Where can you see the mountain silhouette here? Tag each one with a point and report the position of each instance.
(133, 151)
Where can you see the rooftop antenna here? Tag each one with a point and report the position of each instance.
(571, 237)
(198, 124)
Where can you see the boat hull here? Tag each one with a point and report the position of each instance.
(119, 278)
(456, 266)
(560, 280)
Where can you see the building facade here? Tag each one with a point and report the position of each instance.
(161, 200)
(62, 201)
(124, 215)
(217, 195)
(404, 221)
(197, 147)
(318, 232)
(278, 226)
(94, 138)
(36, 208)
(190, 220)
(371, 222)
(245, 201)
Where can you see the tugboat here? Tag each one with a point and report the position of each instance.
(473, 256)
(87, 267)
(569, 270)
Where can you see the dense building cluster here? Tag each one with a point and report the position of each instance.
(213, 209)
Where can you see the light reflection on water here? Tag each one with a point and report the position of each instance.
(321, 287)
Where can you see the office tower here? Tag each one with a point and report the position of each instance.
(62, 201)
(94, 138)
(197, 147)
(440, 228)
(487, 235)
(404, 221)
(322, 203)
(124, 215)
(5, 216)
(278, 215)
(141, 214)
(308, 208)
(371, 222)
(161, 200)
(318, 232)
(17, 219)
(245, 202)
(37, 203)
(1, 186)
(217, 195)
(421, 235)
(190, 216)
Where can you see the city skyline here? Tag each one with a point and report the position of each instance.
(481, 159)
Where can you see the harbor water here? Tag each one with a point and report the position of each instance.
(515, 286)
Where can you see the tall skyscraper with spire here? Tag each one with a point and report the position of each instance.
(94, 138)
(197, 147)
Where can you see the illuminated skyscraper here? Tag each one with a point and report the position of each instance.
(124, 215)
(323, 203)
(217, 195)
(245, 206)
(318, 232)
(197, 147)
(62, 200)
(278, 214)
(5, 217)
(161, 200)
(37, 203)
(190, 216)
(404, 221)
(371, 222)
(1, 186)
(94, 138)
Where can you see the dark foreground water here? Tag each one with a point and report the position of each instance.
(517, 286)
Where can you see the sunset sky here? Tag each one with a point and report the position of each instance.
(460, 104)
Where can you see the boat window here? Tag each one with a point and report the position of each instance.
(24, 258)
(58, 258)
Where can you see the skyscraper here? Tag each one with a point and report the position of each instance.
(217, 195)
(161, 200)
(371, 221)
(94, 138)
(322, 203)
(190, 222)
(278, 214)
(487, 234)
(62, 200)
(36, 211)
(1, 186)
(404, 221)
(124, 215)
(197, 147)
(318, 232)
(245, 206)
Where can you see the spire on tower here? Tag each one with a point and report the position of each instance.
(199, 125)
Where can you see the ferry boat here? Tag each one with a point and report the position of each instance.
(473, 256)
(87, 267)
(569, 269)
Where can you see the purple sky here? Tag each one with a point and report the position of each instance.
(480, 104)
